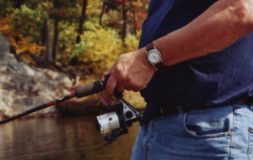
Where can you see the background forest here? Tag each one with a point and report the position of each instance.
(81, 38)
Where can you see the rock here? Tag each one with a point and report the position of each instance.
(23, 86)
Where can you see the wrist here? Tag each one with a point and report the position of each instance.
(143, 56)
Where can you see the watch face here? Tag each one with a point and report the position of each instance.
(154, 57)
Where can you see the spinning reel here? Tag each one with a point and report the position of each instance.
(116, 119)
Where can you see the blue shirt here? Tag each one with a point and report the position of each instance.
(209, 81)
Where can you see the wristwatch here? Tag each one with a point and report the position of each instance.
(154, 56)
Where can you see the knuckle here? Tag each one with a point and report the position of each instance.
(109, 88)
(118, 67)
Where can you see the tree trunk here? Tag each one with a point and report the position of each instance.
(56, 5)
(45, 39)
(56, 37)
(81, 21)
(125, 28)
(134, 21)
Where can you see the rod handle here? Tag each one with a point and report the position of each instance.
(95, 87)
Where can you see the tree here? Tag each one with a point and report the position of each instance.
(81, 21)
(45, 38)
(130, 12)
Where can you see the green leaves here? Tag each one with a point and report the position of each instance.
(28, 21)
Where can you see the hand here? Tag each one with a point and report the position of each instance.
(131, 72)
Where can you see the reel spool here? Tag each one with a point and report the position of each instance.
(116, 120)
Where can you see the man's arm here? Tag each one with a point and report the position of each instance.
(217, 28)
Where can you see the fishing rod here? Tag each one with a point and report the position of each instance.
(112, 123)
(83, 91)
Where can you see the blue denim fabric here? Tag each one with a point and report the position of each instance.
(223, 133)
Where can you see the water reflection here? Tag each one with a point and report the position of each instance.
(60, 139)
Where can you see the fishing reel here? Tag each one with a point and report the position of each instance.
(116, 119)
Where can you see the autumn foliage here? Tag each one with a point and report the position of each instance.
(82, 38)
(89, 34)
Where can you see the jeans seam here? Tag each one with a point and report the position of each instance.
(231, 137)
(250, 107)
(248, 147)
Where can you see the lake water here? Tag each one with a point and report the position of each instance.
(67, 138)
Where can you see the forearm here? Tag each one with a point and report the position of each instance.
(217, 28)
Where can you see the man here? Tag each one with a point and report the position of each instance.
(194, 69)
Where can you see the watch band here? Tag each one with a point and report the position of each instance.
(149, 47)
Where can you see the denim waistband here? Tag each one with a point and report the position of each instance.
(173, 110)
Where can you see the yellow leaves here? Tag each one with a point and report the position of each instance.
(5, 26)
(137, 3)
(24, 45)
(135, 99)
(25, 48)
(105, 46)
(99, 48)
(131, 42)
(28, 59)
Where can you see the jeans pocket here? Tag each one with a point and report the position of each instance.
(208, 123)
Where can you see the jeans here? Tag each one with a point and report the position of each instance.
(224, 133)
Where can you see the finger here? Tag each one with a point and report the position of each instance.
(107, 101)
(107, 95)
(103, 99)
(113, 101)
(111, 85)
